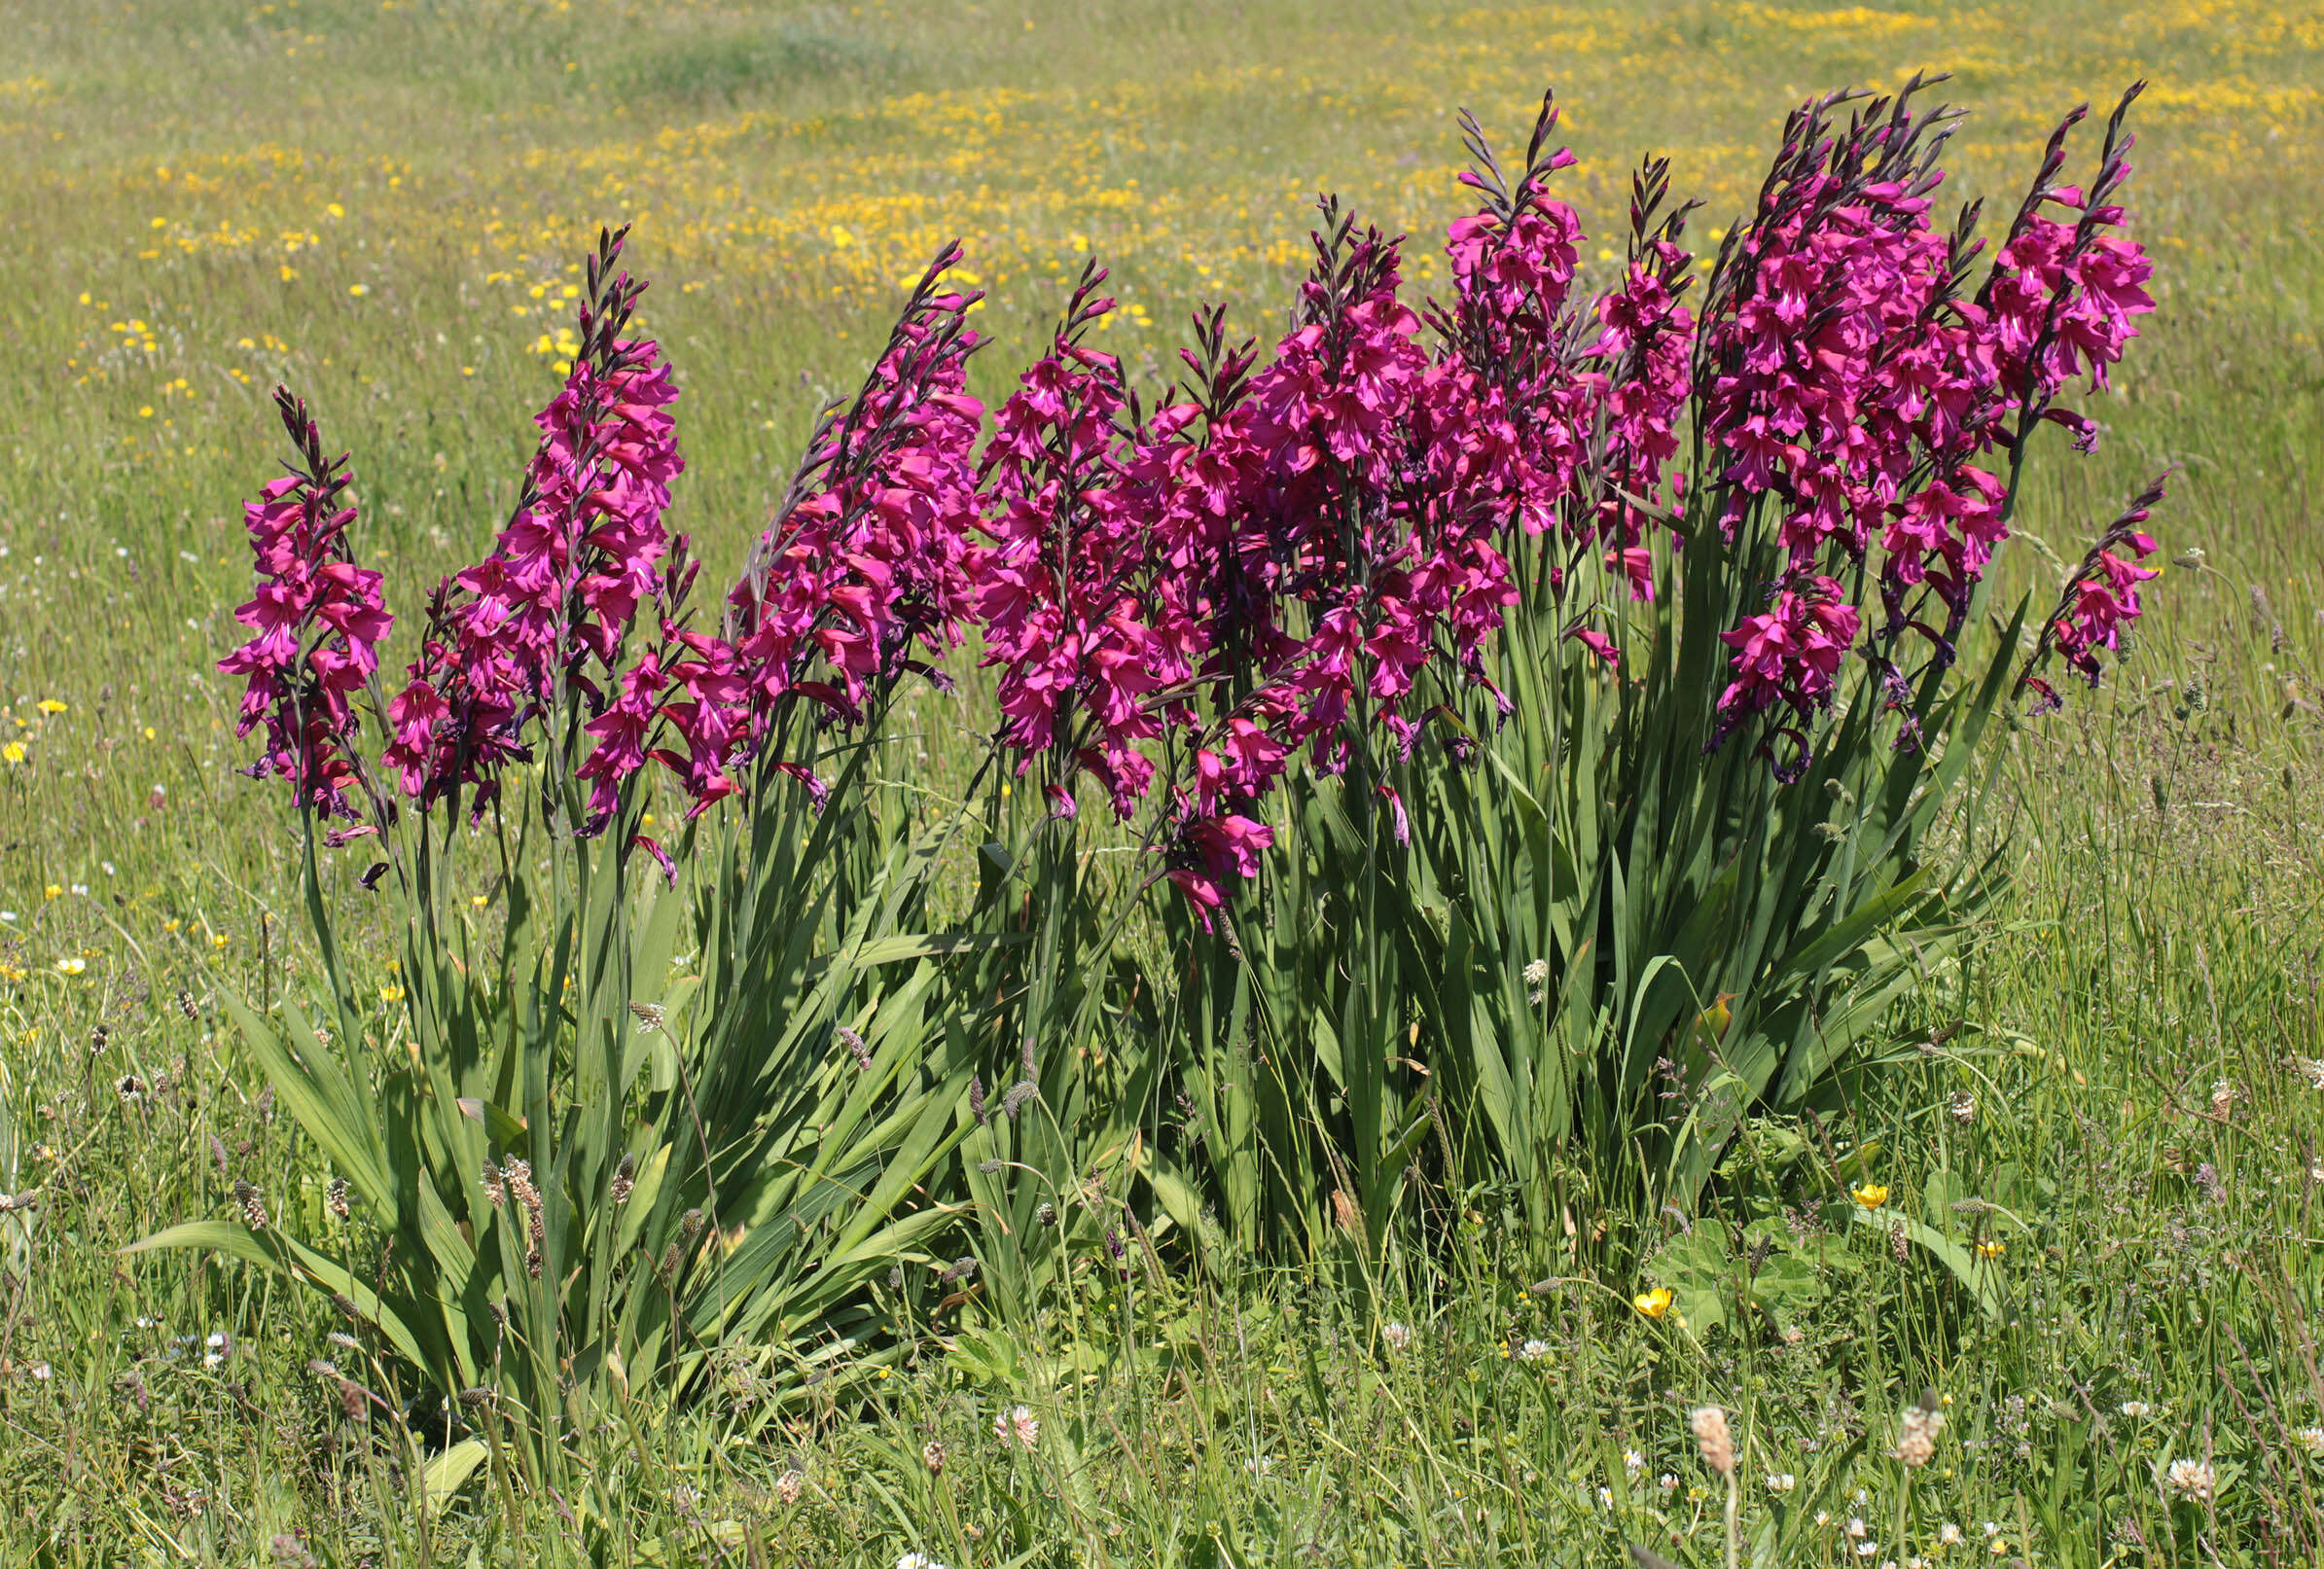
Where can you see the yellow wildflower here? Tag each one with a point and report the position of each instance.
(1872, 1195)
(1653, 1303)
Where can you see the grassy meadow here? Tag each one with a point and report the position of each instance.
(384, 203)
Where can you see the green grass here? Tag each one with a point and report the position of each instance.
(785, 165)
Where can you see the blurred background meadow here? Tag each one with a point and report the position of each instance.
(384, 203)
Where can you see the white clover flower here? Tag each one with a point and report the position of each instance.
(1397, 1335)
(2138, 1410)
(2311, 1439)
(1017, 1426)
(1783, 1482)
(1534, 1350)
(2191, 1480)
(1950, 1535)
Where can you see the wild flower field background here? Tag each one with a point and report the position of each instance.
(380, 204)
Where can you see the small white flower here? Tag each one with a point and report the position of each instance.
(1865, 1549)
(1668, 1482)
(1017, 1426)
(2191, 1480)
(1855, 1525)
(2311, 1439)
(1537, 972)
(1534, 1350)
(1823, 1516)
(39, 1370)
(147, 1323)
(1950, 1535)
(1783, 1482)
(211, 1359)
(218, 1341)
(1992, 1527)
(917, 1560)
(2138, 1410)
(81, 888)
(1632, 1461)
(1397, 1335)
(1605, 1498)
(8, 915)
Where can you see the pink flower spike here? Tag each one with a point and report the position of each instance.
(318, 620)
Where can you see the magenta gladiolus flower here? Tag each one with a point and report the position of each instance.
(2100, 600)
(317, 619)
(1790, 653)
(1853, 387)
(541, 622)
(1068, 586)
(864, 570)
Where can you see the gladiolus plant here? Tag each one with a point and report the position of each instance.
(1528, 721)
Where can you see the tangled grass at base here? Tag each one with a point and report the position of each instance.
(1052, 1093)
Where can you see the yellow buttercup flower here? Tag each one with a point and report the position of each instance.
(1872, 1195)
(13, 751)
(1653, 1303)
